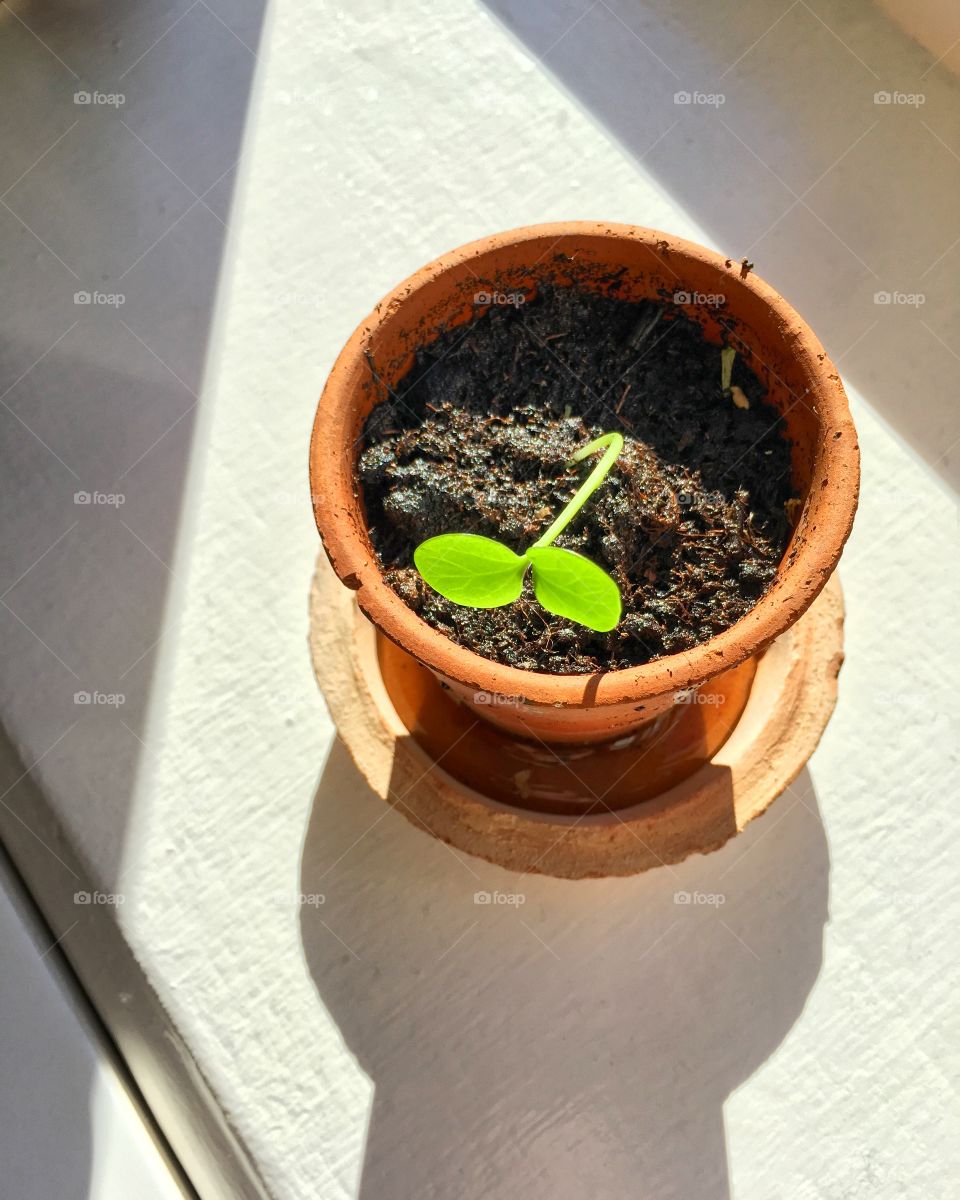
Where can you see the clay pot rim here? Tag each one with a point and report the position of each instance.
(830, 504)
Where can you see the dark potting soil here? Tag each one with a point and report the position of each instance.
(691, 521)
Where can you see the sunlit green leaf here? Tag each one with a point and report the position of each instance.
(569, 585)
(482, 573)
(471, 570)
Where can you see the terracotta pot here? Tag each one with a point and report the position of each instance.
(779, 347)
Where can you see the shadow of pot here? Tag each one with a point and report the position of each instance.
(583, 1043)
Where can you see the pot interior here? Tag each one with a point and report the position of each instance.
(631, 269)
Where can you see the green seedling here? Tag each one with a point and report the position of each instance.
(479, 572)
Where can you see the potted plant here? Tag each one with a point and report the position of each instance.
(392, 494)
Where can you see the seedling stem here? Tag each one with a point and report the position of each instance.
(614, 444)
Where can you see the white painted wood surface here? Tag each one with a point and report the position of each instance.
(395, 1039)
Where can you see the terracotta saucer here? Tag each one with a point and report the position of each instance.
(611, 809)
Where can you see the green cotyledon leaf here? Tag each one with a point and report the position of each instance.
(570, 585)
(472, 570)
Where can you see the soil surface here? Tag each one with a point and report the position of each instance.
(691, 521)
